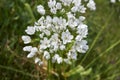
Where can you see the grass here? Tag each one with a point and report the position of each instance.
(104, 41)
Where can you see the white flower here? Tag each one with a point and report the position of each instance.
(62, 23)
(26, 39)
(41, 9)
(81, 18)
(62, 47)
(41, 35)
(27, 48)
(34, 50)
(31, 54)
(54, 39)
(72, 21)
(45, 43)
(47, 32)
(78, 38)
(53, 10)
(48, 19)
(66, 37)
(58, 5)
(70, 15)
(113, 1)
(46, 55)
(66, 2)
(74, 9)
(37, 60)
(81, 46)
(55, 20)
(51, 3)
(59, 60)
(77, 2)
(72, 55)
(82, 30)
(30, 30)
(82, 9)
(91, 5)
(55, 57)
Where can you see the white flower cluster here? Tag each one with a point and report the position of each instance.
(61, 38)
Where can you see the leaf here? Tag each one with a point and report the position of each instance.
(28, 8)
(74, 71)
(87, 72)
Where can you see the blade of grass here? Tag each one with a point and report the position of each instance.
(103, 53)
(111, 67)
(96, 38)
(28, 8)
(113, 76)
(73, 71)
(18, 71)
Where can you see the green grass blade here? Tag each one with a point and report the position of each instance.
(73, 71)
(103, 53)
(113, 76)
(18, 71)
(28, 8)
(96, 38)
(111, 67)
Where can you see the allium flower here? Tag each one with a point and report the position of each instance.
(61, 34)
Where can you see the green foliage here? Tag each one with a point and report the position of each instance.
(101, 62)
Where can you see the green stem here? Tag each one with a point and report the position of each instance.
(96, 38)
(111, 67)
(28, 8)
(113, 76)
(103, 53)
(18, 71)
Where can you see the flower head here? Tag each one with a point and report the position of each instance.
(60, 32)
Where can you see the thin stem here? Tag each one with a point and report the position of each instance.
(103, 53)
(96, 38)
(110, 68)
(30, 11)
(113, 76)
(18, 71)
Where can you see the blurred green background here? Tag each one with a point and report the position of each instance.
(15, 17)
